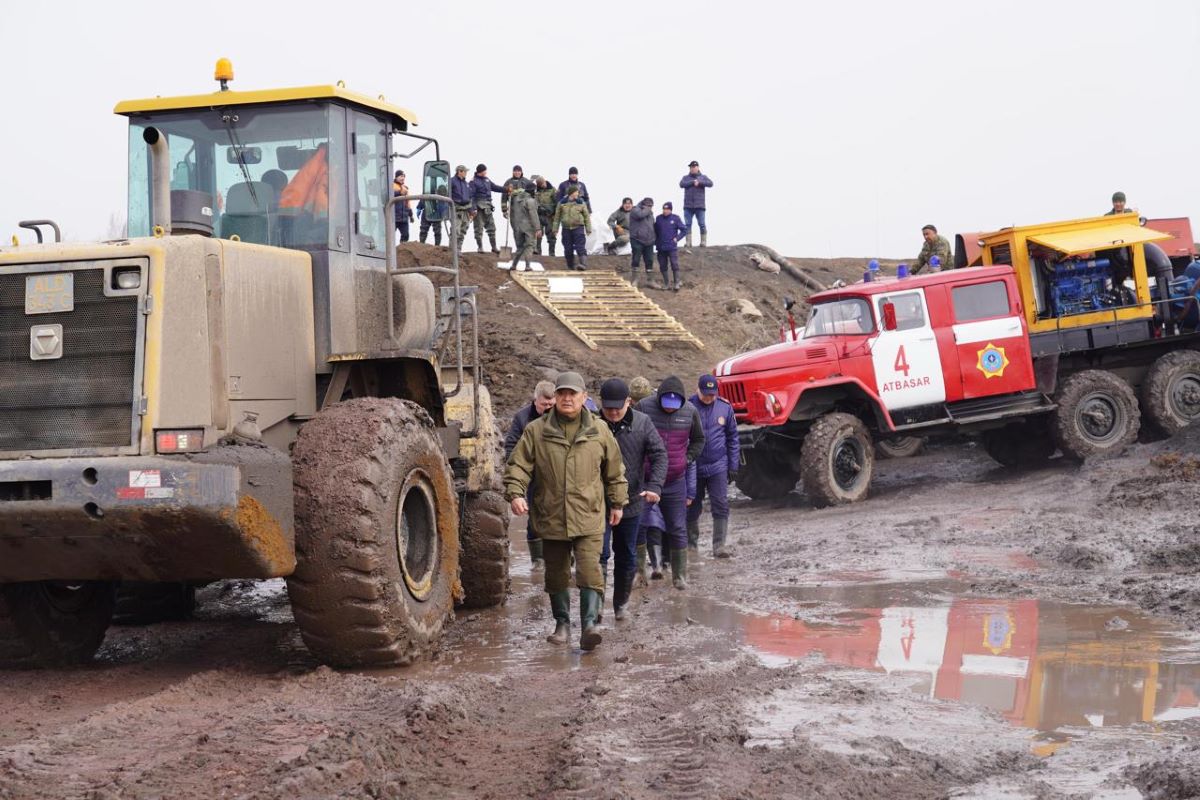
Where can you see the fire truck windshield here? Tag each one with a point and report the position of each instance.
(851, 316)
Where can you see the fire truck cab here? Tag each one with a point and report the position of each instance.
(1041, 347)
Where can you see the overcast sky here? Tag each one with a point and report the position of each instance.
(829, 129)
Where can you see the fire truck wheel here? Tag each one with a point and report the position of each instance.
(485, 549)
(899, 446)
(376, 534)
(1171, 391)
(1019, 444)
(836, 460)
(53, 623)
(764, 477)
(1097, 415)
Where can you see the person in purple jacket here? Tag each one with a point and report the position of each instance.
(668, 230)
(716, 467)
(693, 185)
(678, 425)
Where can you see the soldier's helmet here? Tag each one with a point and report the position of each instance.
(639, 387)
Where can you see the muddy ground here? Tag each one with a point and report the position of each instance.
(522, 343)
(966, 632)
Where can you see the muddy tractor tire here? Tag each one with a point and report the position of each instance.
(376, 534)
(1019, 445)
(764, 476)
(899, 446)
(484, 558)
(837, 460)
(148, 603)
(53, 623)
(1171, 392)
(1097, 415)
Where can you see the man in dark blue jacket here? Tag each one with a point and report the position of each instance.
(668, 229)
(464, 209)
(716, 467)
(573, 182)
(645, 459)
(481, 199)
(693, 185)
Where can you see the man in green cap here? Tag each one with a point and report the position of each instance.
(1118, 201)
(572, 214)
(575, 467)
(935, 247)
(460, 195)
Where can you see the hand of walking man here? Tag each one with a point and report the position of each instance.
(650, 497)
(519, 506)
(614, 517)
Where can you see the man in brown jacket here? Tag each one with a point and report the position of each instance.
(575, 466)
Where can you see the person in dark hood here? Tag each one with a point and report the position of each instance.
(678, 423)
(641, 239)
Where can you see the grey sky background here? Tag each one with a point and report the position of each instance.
(828, 129)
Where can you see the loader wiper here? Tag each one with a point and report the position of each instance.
(234, 142)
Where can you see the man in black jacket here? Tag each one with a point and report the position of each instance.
(645, 459)
(543, 401)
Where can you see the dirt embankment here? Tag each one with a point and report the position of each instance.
(522, 343)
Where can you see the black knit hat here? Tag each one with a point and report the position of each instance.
(480, 168)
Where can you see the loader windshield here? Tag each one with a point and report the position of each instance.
(851, 316)
(269, 175)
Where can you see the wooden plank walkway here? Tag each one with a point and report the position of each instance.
(609, 310)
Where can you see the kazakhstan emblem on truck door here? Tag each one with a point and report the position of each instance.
(992, 361)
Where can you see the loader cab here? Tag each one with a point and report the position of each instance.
(307, 168)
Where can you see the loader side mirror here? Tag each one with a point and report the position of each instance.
(788, 304)
(436, 180)
(889, 316)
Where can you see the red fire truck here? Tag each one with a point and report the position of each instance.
(1045, 345)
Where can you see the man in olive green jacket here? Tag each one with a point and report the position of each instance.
(575, 467)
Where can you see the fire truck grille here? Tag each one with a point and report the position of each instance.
(735, 393)
(82, 400)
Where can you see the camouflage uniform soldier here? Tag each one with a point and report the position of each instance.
(934, 246)
(518, 179)
(618, 222)
(547, 203)
(460, 195)
(527, 228)
(576, 223)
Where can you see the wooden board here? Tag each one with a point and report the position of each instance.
(609, 310)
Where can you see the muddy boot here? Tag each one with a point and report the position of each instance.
(590, 601)
(720, 531)
(704, 239)
(693, 529)
(492, 239)
(689, 239)
(582, 263)
(656, 562)
(679, 568)
(633, 278)
(560, 606)
(604, 593)
(479, 245)
(643, 571)
(552, 248)
(622, 588)
(535, 554)
(676, 284)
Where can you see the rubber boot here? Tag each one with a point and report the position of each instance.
(479, 245)
(676, 284)
(689, 238)
(535, 554)
(552, 248)
(679, 568)
(590, 601)
(643, 571)
(693, 529)
(603, 593)
(704, 238)
(622, 588)
(560, 606)
(492, 239)
(583, 263)
(720, 531)
(570, 257)
(633, 278)
(656, 562)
